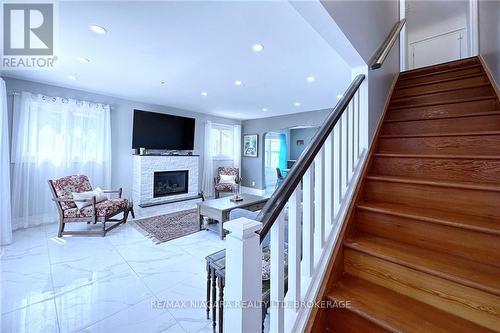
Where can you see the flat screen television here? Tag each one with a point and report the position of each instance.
(162, 131)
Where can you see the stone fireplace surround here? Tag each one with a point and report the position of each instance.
(146, 165)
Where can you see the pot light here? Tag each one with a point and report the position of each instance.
(204, 93)
(83, 60)
(238, 83)
(311, 79)
(257, 47)
(71, 77)
(264, 109)
(340, 96)
(98, 29)
(296, 104)
(162, 82)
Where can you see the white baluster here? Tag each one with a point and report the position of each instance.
(329, 183)
(347, 113)
(294, 247)
(351, 140)
(319, 219)
(344, 156)
(308, 222)
(277, 293)
(359, 123)
(337, 167)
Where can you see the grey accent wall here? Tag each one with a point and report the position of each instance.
(121, 124)
(304, 134)
(252, 168)
(366, 24)
(489, 35)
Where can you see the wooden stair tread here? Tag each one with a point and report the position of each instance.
(439, 156)
(396, 99)
(439, 69)
(442, 134)
(477, 223)
(396, 312)
(466, 272)
(451, 101)
(446, 116)
(418, 181)
(438, 91)
(449, 79)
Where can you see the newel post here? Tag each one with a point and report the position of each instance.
(243, 287)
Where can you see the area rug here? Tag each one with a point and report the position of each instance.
(169, 226)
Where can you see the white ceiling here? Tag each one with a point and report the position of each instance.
(195, 47)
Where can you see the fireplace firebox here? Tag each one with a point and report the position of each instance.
(167, 183)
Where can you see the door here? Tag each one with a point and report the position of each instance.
(439, 49)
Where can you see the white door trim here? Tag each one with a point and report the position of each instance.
(473, 28)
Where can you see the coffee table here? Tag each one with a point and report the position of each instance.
(219, 209)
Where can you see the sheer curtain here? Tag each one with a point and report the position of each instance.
(208, 164)
(55, 137)
(5, 207)
(237, 147)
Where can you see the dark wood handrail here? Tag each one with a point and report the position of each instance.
(384, 49)
(278, 200)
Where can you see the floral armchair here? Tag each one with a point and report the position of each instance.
(221, 186)
(103, 211)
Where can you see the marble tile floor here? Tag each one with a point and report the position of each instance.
(110, 284)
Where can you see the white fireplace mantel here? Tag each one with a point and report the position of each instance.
(144, 168)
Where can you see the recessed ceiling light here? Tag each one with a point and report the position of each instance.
(204, 93)
(83, 60)
(311, 79)
(257, 47)
(264, 109)
(162, 82)
(340, 96)
(98, 29)
(296, 104)
(238, 83)
(71, 77)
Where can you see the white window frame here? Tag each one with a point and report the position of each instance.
(222, 157)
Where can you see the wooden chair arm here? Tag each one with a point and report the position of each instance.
(119, 191)
(70, 200)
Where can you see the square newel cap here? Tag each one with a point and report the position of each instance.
(242, 227)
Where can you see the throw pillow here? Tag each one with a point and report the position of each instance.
(98, 193)
(227, 179)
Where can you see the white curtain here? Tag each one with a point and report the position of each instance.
(55, 137)
(237, 146)
(5, 207)
(208, 164)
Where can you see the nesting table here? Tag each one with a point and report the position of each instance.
(219, 209)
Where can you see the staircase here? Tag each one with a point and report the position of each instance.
(421, 252)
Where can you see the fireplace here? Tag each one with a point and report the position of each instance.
(167, 183)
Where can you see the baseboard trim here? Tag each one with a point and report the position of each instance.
(251, 190)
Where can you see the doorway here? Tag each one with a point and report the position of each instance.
(437, 32)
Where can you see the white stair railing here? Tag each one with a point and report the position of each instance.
(314, 197)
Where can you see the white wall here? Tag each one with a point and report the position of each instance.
(489, 35)
(366, 24)
(429, 18)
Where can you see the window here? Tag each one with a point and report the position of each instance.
(222, 142)
(272, 151)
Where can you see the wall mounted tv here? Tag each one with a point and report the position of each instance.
(162, 131)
